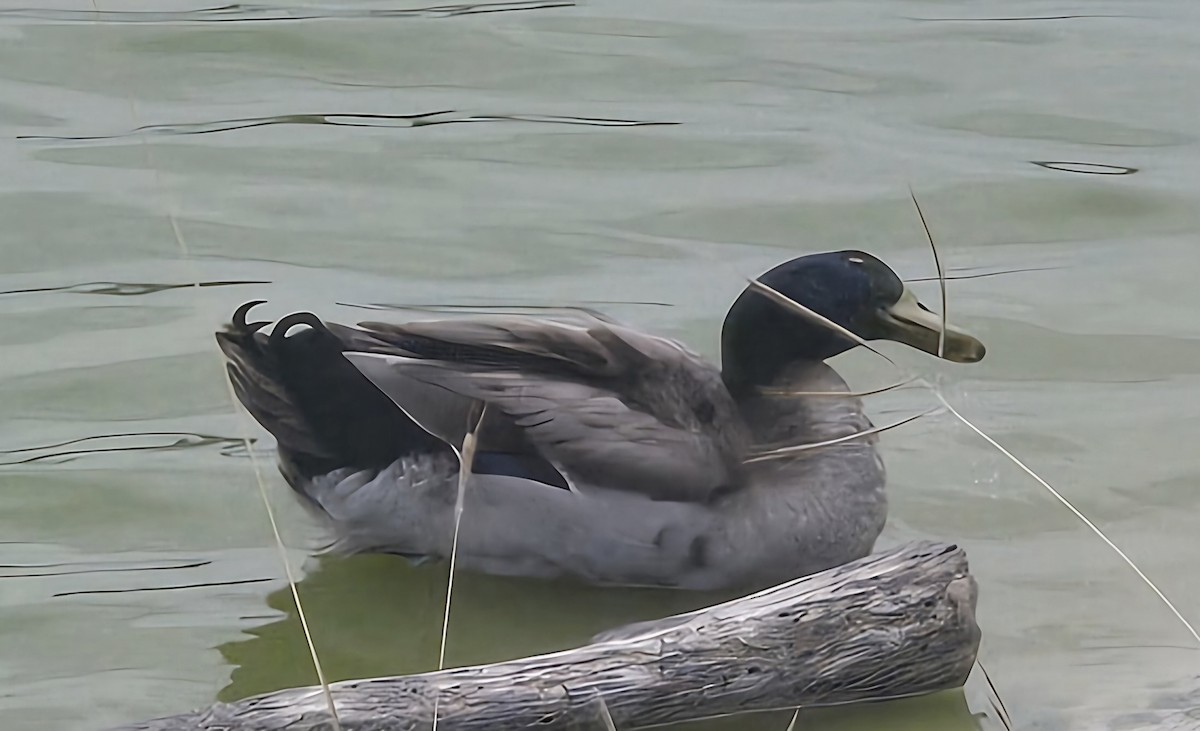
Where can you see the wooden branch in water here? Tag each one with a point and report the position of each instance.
(897, 623)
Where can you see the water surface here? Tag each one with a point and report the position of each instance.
(609, 152)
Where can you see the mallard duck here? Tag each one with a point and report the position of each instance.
(599, 452)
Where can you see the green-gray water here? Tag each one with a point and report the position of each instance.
(613, 151)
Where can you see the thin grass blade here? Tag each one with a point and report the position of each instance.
(1029, 471)
(794, 722)
(777, 391)
(606, 715)
(783, 452)
(466, 461)
(941, 271)
(1074, 511)
(995, 699)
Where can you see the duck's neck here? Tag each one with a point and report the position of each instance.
(761, 339)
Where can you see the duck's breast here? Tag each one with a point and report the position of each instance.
(813, 509)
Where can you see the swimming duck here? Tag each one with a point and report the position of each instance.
(599, 452)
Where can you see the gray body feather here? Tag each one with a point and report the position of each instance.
(649, 442)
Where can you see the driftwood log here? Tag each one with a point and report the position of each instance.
(897, 623)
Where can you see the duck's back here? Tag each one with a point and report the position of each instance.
(598, 454)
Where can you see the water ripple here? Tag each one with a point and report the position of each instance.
(173, 587)
(126, 442)
(401, 121)
(75, 568)
(1084, 168)
(128, 289)
(1017, 18)
(247, 13)
(495, 307)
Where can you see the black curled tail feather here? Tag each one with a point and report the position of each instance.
(322, 411)
(255, 373)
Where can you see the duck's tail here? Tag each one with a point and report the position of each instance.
(322, 411)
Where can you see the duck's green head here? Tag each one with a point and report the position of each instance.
(851, 288)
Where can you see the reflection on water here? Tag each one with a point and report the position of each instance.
(375, 616)
(1174, 707)
(379, 615)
